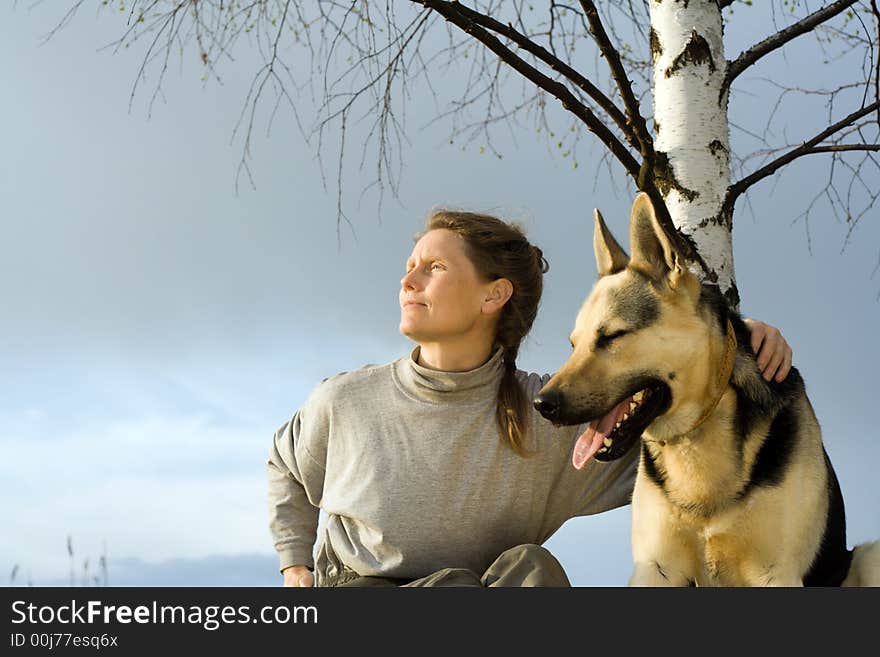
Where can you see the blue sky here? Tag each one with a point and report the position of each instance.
(159, 326)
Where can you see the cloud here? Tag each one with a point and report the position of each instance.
(153, 487)
(215, 570)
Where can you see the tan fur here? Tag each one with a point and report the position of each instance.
(865, 570)
(769, 539)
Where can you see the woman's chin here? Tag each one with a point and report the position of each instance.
(408, 330)
(415, 333)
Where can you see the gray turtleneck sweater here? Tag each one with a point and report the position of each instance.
(409, 467)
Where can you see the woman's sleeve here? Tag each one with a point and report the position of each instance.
(598, 487)
(296, 482)
(606, 485)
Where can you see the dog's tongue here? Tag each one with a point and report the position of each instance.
(591, 440)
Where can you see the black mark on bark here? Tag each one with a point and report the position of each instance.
(696, 52)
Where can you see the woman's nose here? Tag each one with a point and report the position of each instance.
(408, 281)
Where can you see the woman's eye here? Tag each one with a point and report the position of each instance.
(436, 265)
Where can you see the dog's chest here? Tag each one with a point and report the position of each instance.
(699, 477)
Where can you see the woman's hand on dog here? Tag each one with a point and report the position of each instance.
(774, 353)
(298, 576)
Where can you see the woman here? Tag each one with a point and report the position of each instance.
(405, 458)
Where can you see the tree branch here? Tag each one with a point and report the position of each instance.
(451, 11)
(808, 147)
(839, 148)
(646, 144)
(645, 180)
(557, 65)
(782, 37)
(876, 13)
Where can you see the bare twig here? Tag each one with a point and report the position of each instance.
(366, 55)
(450, 11)
(633, 114)
(804, 149)
(768, 45)
(557, 65)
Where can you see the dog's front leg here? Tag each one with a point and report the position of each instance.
(654, 574)
(755, 575)
(664, 552)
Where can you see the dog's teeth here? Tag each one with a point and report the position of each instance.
(637, 397)
(602, 450)
(607, 442)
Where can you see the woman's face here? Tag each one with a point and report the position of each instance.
(441, 295)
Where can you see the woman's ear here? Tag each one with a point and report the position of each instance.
(498, 293)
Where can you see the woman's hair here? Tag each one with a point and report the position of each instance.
(500, 250)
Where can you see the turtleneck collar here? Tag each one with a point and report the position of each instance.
(436, 386)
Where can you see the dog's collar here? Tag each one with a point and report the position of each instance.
(724, 372)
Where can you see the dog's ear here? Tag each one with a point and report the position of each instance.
(610, 257)
(653, 252)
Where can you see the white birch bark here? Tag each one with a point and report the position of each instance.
(692, 128)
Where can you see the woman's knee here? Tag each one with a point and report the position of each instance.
(529, 551)
(526, 565)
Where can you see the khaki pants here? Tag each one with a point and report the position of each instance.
(523, 565)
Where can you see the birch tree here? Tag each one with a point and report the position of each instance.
(649, 79)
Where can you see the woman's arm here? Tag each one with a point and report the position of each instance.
(293, 519)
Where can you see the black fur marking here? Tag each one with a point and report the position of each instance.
(747, 414)
(755, 397)
(711, 298)
(661, 571)
(773, 457)
(635, 305)
(832, 563)
(654, 474)
(672, 376)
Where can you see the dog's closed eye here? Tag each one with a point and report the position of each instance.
(605, 339)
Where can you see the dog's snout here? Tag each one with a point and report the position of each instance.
(548, 404)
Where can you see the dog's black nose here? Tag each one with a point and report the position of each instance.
(548, 403)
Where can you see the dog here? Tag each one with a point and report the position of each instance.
(734, 486)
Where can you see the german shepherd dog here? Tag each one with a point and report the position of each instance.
(734, 486)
